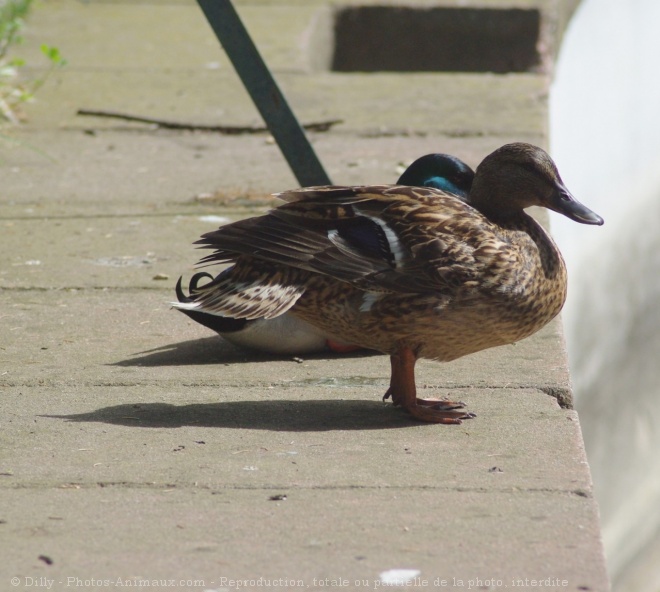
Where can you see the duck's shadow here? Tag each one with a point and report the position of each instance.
(275, 415)
(280, 415)
(213, 350)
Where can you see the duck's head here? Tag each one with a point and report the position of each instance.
(520, 175)
(441, 171)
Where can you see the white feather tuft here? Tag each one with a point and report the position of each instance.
(369, 299)
(185, 305)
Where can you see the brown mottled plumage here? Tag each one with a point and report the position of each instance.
(412, 272)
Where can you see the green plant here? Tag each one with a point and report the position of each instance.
(12, 92)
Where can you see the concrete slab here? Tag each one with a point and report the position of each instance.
(96, 337)
(101, 252)
(277, 436)
(71, 173)
(108, 251)
(156, 533)
(129, 36)
(118, 62)
(231, 458)
(406, 103)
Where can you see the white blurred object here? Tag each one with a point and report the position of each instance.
(398, 577)
(605, 138)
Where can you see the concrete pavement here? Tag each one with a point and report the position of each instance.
(139, 449)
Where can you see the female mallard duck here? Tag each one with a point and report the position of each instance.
(412, 272)
(288, 334)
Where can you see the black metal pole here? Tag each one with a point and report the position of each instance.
(265, 93)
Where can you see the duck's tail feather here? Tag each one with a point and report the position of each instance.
(242, 292)
(214, 322)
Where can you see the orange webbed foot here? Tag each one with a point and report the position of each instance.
(438, 411)
(403, 393)
(441, 404)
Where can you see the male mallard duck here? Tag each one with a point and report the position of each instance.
(442, 171)
(412, 272)
(289, 334)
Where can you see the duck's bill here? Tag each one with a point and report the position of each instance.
(567, 205)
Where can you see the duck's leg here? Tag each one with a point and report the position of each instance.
(404, 393)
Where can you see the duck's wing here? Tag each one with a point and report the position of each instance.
(379, 238)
